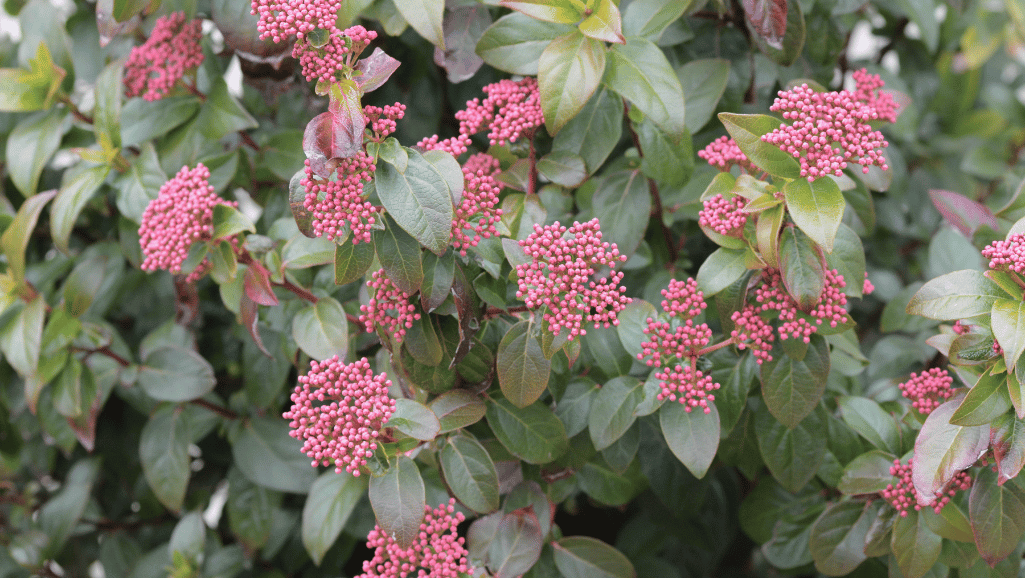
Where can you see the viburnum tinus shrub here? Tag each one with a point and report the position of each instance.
(465, 288)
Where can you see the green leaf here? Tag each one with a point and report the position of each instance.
(869, 419)
(425, 16)
(230, 221)
(987, 400)
(270, 458)
(586, 557)
(31, 145)
(221, 114)
(22, 90)
(649, 18)
(747, 131)
(848, 258)
(1007, 438)
(164, 455)
(943, 449)
(560, 11)
(142, 120)
(957, 295)
(532, 433)
(400, 256)
(639, 72)
(60, 514)
(633, 320)
(1009, 328)
(522, 367)
(703, 81)
(415, 420)
(622, 204)
(174, 373)
(470, 474)
(838, 536)
(331, 502)
(612, 410)
(352, 261)
(516, 545)
(801, 268)
(398, 501)
(692, 436)
(922, 13)
(107, 111)
(418, 199)
(16, 237)
(997, 514)
(514, 43)
(793, 455)
(21, 337)
(457, 409)
(791, 388)
(720, 270)
(563, 168)
(439, 273)
(84, 283)
(141, 184)
(868, 473)
(595, 131)
(604, 23)
(816, 208)
(665, 160)
(126, 9)
(72, 198)
(915, 546)
(322, 329)
(569, 71)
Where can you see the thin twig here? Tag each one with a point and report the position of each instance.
(221, 411)
(497, 311)
(74, 110)
(656, 197)
(532, 177)
(105, 350)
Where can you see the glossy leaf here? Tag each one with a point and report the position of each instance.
(943, 450)
(70, 201)
(868, 473)
(333, 498)
(965, 214)
(612, 410)
(514, 43)
(470, 474)
(173, 373)
(21, 337)
(425, 16)
(692, 436)
(587, 557)
(516, 545)
(956, 295)
(163, 453)
(560, 11)
(650, 18)
(398, 501)
(720, 270)
(456, 409)
(15, 238)
(747, 131)
(914, 545)
(703, 81)
(30, 146)
(997, 514)
(622, 204)
(352, 261)
(869, 419)
(522, 367)
(838, 536)
(791, 388)
(400, 257)
(604, 23)
(418, 199)
(816, 208)
(415, 420)
(639, 72)
(594, 132)
(532, 433)
(322, 329)
(569, 71)
(1008, 319)
(270, 458)
(985, 401)
(793, 455)
(1007, 438)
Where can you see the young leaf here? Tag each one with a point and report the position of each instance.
(425, 16)
(693, 436)
(801, 267)
(569, 71)
(470, 474)
(560, 11)
(639, 72)
(398, 501)
(768, 18)
(816, 208)
(943, 449)
(786, 52)
(965, 214)
(1009, 328)
(522, 367)
(957, 295)
(532, 433)
(791, 388)
(604, 23)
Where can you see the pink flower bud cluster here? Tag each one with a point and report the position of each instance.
(961, 328)
(1007, 255)
(477, 211)
(683, 298)
(510, 109)
(389, 308)
(903, 496)
(338, 411)
(182, 214)
(688, 386)
(772, 296)
(820, 120)
(330, 62)
(724, 216)
(997, 350)
(280, 19)
(382, 119)
(559, 277)
(437, 552)
(338, 206)
(867, 287)
(154, 68)
(483, 162)
(723, 153)
(667, 343)
(867, 92)
(928, 389)
(752, 332)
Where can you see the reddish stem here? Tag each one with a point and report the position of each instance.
(532, 177)
(496, 311)
(221, 411)
(105, 350)
(717, 346)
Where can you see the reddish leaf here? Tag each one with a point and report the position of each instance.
(943, 449)
(463, 29)
(84, 425)
(965, 214)
(1007, 438)
(375, 70)
(250, 313)
(257, 285)
(296, 197)
(337, 133)
(769, 19)
(516, 545)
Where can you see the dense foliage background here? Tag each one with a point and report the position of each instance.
(141, 432)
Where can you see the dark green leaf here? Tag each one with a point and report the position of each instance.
(563, 168)
(793, 455)
(692, 436)
(594, 132)
(612, 410)
(703, 82)
(868, 473)
(60, 514)
(269, 457)
(791, 388)
(21, 337)
(221, 114)
(532, 433)
(332, 500)
(639, 72)
(956, 295)
(838, 536)
(322, 329)
(870, 420)
(470, 474)
(400, 256)
(439, 273)
(622, 204)
(522, 367)
(649, 18)
(418, 199)
(986, 400)
(720, 270)
(665, 160)
(30, 146)
(915, 546)
(352, 261)
(163, 453)
(586, 557)
(747, 131)
(173, 373)
(457, 408)
(142, 120)
(141, 184)
(398, 501)
(569, 71)
(998, 516)
(848, 258)
(574, 408)
(250, 510)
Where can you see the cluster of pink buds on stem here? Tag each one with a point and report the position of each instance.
(510, 110)
(928, 389)
(723, 153)
(382, 120)
(560, 277)
(280, 19)
(389, 308)
(773, 296)
(331, 61)
(338, 411)
(1007, 255)
(867, 92)
(437, 551)
(724, 216)
(338, 206)
(182, 214)
(828, 131)
(154, 68)
(677, 344)
(903, 497)
(478, 212)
